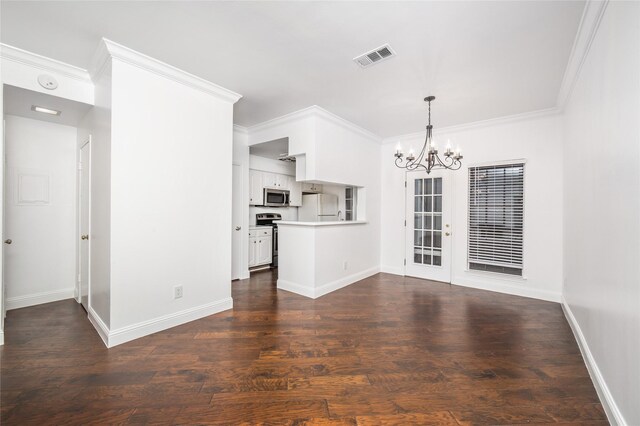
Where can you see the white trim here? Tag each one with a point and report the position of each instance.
(144, 328)
(606, 399)
(315, 292)
(318, 112)
(39, 298)
(508, 119)
(345, 281)
(99, 325)
(394, 270)
(240, 129)
(507, 286)
(31, 59)
(108, 48)
(589, 24)
(278, 121)
(1, 337)
(292, 287)
(335, 119)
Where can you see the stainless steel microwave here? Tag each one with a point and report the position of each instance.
(276, 197)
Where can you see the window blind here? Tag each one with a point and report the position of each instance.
(496, 218)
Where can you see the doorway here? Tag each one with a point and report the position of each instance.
(238, 213)
(428, 226)
(84, 223)
(41, 200)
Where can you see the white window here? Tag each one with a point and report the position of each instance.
(496, 218)
(350, 203)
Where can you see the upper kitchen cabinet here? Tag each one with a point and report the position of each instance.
(256, 188)
(274, 180)
(311, 188)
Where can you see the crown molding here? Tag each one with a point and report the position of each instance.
(314, 111)
(240, 129)
(110, 49)
(31, 59)
(329, 116)
(278, 121)
(589, 24)
(477, 124)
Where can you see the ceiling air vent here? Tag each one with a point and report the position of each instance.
(375, 56)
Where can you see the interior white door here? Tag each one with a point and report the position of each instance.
(237, 215)
(84, 225)
(428, 226)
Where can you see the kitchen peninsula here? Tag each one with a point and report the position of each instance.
(317, 258)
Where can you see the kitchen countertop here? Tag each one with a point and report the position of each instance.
(312, 224)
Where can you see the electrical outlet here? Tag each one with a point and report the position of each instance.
(345, 265)
(177, 292)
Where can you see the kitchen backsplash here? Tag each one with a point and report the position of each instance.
(288, 213)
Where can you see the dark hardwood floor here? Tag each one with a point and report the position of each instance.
(386, 350)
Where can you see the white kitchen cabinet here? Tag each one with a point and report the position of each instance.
(274, 180)
(311, 188)
(295, 192)
(260, 250)
(256, 192)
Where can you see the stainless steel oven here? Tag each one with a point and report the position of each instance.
(276, 197)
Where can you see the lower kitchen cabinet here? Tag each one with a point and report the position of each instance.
(260, 250)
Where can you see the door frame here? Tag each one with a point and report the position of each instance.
(450, 251)
(78, 285)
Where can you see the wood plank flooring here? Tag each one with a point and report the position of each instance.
(386, 350)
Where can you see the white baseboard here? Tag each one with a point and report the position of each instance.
(99, 325)
(606, 399)
(507, 287)
(144, 328)
(1, 338)
(39, 298)
(315, 292)
(296, 288)
(395, 270)
(345, 281)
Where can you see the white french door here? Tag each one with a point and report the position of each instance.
(428, 226)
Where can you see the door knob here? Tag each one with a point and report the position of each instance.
(8, 241)
(85, 237)
(238, 228)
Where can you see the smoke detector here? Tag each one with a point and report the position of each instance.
(375, 56)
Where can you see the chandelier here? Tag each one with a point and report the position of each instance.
(428, 159)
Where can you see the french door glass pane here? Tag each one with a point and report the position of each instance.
(427, 221)
(437, 222)
(428, 204)
(437, 203)
(417, 221)
(418, 187)
(437, 186)
(418, 204)
(427, 186)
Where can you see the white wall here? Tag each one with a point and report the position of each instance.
(171, 180)
(41, 263)
(316, 260)
(602, 209)
(537, 140)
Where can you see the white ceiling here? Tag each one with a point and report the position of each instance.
(480, 59)
(19, 101)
